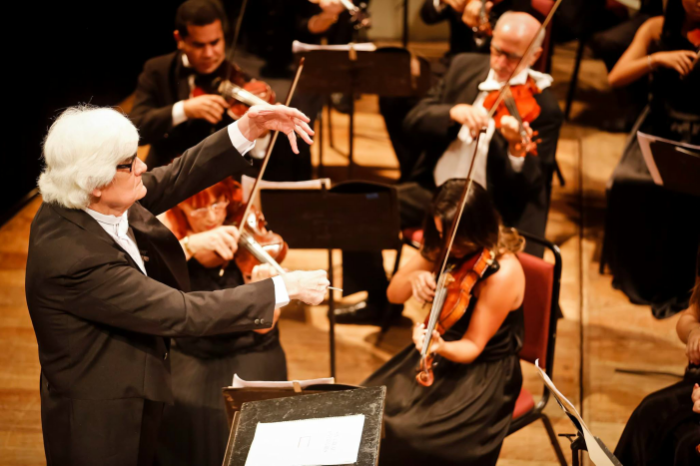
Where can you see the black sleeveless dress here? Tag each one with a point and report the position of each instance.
(194, 431)
(464, 416)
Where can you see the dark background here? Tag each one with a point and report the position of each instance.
(58, 54)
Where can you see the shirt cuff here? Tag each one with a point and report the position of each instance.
(438, 5)
(516, 162)
(239, 141)
(281, 295)
(178, 113)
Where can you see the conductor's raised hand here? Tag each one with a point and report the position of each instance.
(262, 118)
(308, 287)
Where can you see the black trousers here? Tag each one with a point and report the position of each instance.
(121, 432)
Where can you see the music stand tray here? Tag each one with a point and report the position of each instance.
(366, 401)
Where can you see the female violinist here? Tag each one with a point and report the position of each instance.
(195, 428)
(464, 415)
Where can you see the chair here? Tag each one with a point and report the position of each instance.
(541, 301)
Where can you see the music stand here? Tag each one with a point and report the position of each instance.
(352, 72)
(352, 216)
(332, 403)
(673, 165)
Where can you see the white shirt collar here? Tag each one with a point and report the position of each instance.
(185, 61)
(542, 80)
(121, 223)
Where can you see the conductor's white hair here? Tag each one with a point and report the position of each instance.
(512, 15)
(81, 152)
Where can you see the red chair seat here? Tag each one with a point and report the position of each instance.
(524, 404)
(413, 236)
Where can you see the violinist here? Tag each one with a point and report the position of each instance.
(175, 106)
(195, 428)
(665, 51)
(463, 417)
(446, 122)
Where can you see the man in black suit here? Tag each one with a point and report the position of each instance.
(107, 283)
(168, 116)
(445, 124)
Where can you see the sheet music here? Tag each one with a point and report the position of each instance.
(247, 184)
(327, 441)
(361, 47)
(240, 383)
(596, 452)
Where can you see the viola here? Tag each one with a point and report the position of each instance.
(452, 300)
(236, 88)
(257, 244)
(518, 101)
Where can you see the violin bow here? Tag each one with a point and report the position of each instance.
(445, 254)
(268, 152)
(237, 31)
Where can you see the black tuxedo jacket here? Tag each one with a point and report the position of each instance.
(103, 327)
(162, 83)
(522, 197)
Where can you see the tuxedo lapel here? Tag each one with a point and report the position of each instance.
(90, 225)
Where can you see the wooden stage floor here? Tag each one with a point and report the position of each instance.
(601, 331)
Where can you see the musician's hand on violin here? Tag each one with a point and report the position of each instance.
(262, 118)
(423, 286)
(308, 287)
(472, 117)
(208, 107)
(222, 240)
(510, 130)
(695, 396)
(419, 332)
(472, 13)
(679, 60)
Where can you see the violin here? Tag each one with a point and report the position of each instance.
(453, 300)
(455, 285)
(257, 244)
(519, 102)
(236, 88)
(483, 30)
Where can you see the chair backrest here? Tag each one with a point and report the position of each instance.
(537, 307)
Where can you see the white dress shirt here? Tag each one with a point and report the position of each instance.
(118, 227)
(455, 162)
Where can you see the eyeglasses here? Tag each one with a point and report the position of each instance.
(129, 165)
(511, 57)
(217, 207)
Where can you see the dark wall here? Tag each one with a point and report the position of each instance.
(58, 54)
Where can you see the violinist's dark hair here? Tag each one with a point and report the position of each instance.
(674, 17)
(199, 13)
(480, 224)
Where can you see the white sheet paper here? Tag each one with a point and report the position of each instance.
(645, 141)
(595, 451)
(326, 441)
(240, 383)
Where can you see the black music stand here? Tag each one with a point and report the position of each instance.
(352, 216)
(366, 401)
(385, 72)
